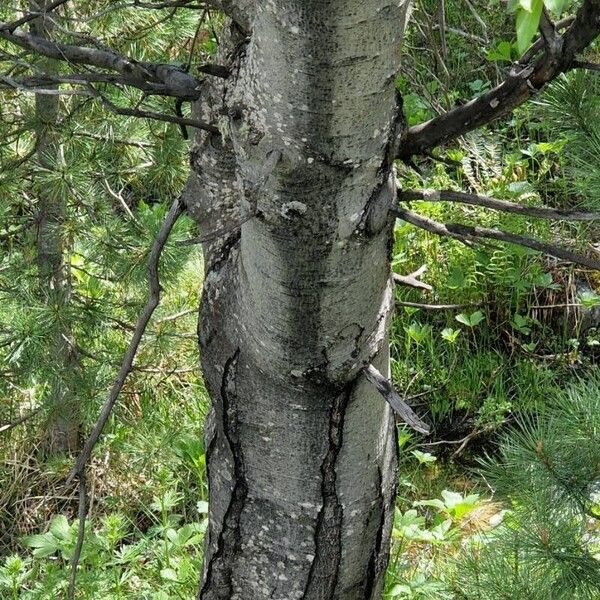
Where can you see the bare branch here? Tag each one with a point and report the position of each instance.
(161, 79)
(469, 233)
(499, 205)
(144, 114)
(523, 82)
(412, 279)
(436, 306)
(386, 389)
(82, 515)
(19, 421)
(590, 66)
(174, 213)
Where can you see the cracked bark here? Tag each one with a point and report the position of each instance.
(301, 449)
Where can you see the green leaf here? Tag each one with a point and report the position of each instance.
(589, 299)
(527, 24)
(399, 589)
(59, 528)
(424, 457)
(44, 544)
(471, 320)
(557, 6)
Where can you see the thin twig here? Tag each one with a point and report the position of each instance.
(31, 16)
(144, 114)
(174, 213)
(412, 279)
(82, 515)
(19, 421)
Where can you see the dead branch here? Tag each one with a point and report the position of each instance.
(436, 306)
(469, 233)
(412, 279)
(164, 79)
(499, 205)
(522, 82)
(30, 16)
(19, 421)
(174, 213)
(589, 66)
(82, 516)
(386, 389)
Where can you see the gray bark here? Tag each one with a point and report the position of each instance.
(62, 425)
(301, 448)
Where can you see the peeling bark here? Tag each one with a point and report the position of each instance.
(301, 448)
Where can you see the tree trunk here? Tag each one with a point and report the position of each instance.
(62, 427)
(301, 449)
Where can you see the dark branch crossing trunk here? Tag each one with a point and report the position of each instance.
(62, 425)
(301, 448)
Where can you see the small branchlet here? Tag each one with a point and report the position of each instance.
(386, 389)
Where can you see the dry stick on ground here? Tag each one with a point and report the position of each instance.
(499, 205)
(78, 471)
(468, 233)
(437, 306)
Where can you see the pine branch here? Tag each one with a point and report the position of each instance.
(30, 16)
(469, 233)
(499, 205)
(173, 215)
(523, 82)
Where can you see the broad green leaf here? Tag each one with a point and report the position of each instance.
(557, 6)
(423, 457)
(527, 24)
(44, 544)
(471, 320)
(59, 528)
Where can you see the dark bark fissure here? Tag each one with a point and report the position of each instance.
(219, 570)
(323, 574)
(375, 560)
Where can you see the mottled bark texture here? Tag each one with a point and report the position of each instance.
(301, 449)
(62, 425)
